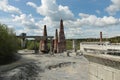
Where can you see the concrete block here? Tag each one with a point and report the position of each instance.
(93, 69)
(92, 77)
(117, 75)
(101, 73)
(108, 75)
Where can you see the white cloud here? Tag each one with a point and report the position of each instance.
(83, 15)
(52, 13)
(31, 4)
(98, 12)
(27, 21)
(4, 6)
(75, 29)
(92, 20)
(52, 10)
(17, 0)
(114, 7)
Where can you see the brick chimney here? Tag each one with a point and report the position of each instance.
(61, 39)
(100, 36)
(43, 42)
(56, 41)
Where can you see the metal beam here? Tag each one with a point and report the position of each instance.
(41, 37)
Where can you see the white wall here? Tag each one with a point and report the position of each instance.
(103, 67)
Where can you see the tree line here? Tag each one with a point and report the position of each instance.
(9, 44)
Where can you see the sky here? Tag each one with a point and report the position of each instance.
(81, 18)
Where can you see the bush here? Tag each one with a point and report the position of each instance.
(8, 43)
(31, 45)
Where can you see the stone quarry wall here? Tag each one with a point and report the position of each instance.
(103, 67)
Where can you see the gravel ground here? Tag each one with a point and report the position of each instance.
(46, 67)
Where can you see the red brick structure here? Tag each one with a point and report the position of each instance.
(43, 42)
(61, 39)
(58, 44)
(55, 42)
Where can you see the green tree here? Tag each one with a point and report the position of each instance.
(8, 43)
(31, 45)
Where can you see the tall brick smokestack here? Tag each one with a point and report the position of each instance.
(100, 36)
(61, 32)
(61, 25)
(45, 32)
(56, 34)
(61, 39)
(56, 41)
(43, 42)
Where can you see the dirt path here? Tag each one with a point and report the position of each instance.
(47, 67)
